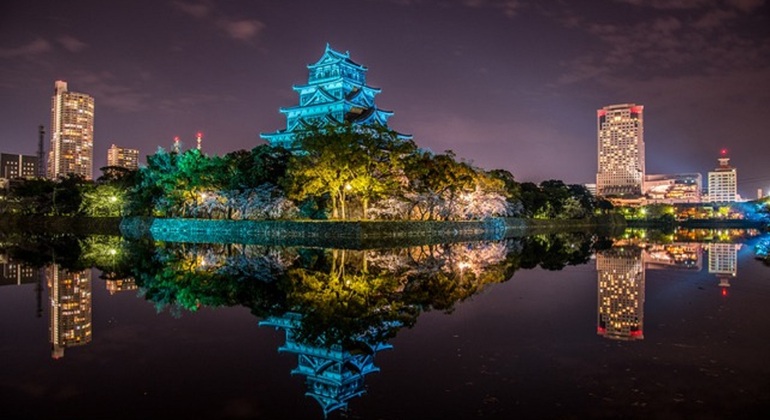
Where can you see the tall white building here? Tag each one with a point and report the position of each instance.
(620, 169)
(72, 133)
(723, 182)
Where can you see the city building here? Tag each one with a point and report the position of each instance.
(16, 273)
(621, 278)
(72, 133)
(723, 261)
(18, 166)
(336, 92)
(123, 157)
(675, 188)
(723, 182)
(70, 295)
(621, 168)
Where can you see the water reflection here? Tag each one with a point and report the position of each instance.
(621, 293)
(338, 308)
(70, 295)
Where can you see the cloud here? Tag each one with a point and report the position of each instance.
(238, 29)
(242, 30)
(509, 7)
(746, 5)
(671, 4)
(707, 39)
(36, 47)
(198, 10)
(72, 44)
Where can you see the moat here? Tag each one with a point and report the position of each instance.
(642, 324)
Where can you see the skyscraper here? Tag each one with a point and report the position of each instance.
(620, 293)
(123, 157)
(72, 133)
(723, 182)
(620, 150)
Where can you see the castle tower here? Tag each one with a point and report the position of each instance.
(333, 374)
(336, 92)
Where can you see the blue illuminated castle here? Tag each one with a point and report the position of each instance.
(336, 92)
(333, 374)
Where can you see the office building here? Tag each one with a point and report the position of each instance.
(72, 133)
(123, 157)
(18, 166)
(620, 169)
(674, 188)
(723, 182)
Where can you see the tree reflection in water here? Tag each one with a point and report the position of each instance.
(337, 307)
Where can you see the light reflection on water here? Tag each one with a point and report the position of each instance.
(550, 325)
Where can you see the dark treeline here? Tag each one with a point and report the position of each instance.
(343, 172)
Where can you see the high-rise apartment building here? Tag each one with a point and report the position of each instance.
(723, 182)
(620, 150)
(70, 294)
(123, 157)
(72, 133)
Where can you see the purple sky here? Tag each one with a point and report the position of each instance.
(510, 84)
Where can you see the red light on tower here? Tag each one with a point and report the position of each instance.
(724, 152)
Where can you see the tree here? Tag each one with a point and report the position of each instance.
(346, 160)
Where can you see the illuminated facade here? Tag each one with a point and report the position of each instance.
(336, 92)
(333, 374)
(120, 285)
(18, 166)
(723, 261)
(620, 293)
(620, 150)
(723, 182)
(16, 273)
(676, 188)
(70, 294)
(72, 133)
(123, 157)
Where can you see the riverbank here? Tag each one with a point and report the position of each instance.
(322, 233)
(61, 225)
(354, 234)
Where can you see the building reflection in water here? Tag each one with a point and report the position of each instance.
(70, 294)
(723, 262)
(620, 293)
(621, 277)
(333, 374)
(120, 285)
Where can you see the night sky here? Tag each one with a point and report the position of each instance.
(510, 84)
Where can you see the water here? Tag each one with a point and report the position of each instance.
(551, 326)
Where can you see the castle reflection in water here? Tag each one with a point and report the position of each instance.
(334, 366)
